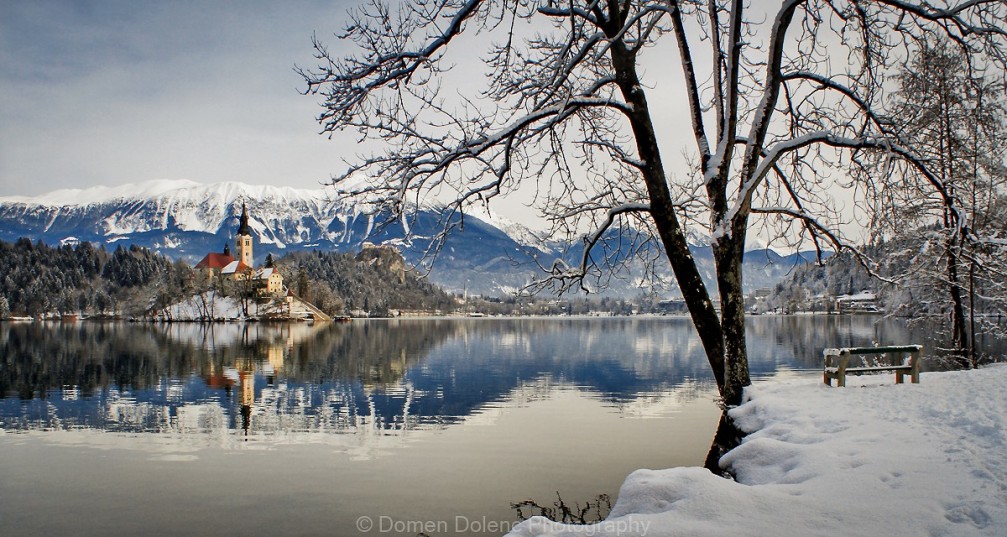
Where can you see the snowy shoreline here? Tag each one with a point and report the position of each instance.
(871, 459)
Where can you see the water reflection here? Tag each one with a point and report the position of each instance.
(182, 378)
(265, 429)
(259, 381)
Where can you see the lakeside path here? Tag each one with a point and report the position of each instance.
(872, 459)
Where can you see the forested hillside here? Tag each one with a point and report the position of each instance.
(372, 283)
(43, 280)
(909, 280)
(840, 275)
(40, 279)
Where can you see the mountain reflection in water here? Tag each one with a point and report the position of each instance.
(263, 381)
(263, 429)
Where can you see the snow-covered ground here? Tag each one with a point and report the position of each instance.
(872, 459)
(207, 305)
(210, 306)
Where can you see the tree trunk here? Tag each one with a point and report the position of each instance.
(973, 362)
(958, 332)
(727, 437)
(662, 210)
(729, 252)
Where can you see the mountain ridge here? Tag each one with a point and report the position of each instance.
(184, 219)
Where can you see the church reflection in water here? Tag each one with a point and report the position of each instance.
(270, 397)
(240, 375)
(295, 382)
(266, 379)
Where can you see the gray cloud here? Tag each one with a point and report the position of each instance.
(113, 92)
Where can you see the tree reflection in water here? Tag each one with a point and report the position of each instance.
(390, 375)
(560, 511)
(142, 377)
(385, 375)
(333, 418)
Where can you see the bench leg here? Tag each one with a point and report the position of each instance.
(899, 377)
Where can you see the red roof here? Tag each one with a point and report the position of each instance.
(215, 261)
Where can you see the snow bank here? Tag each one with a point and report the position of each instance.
(879, 459)
(207, 304)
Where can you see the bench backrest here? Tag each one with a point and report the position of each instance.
(872, 350)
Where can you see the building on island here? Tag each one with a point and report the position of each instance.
(274, 300)
(243, 241)
(269, 281)
(862, 302)
(266, 281)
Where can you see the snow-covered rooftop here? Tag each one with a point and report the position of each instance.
(863, 295)
(234, 266)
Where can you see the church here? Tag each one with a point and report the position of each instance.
(267, 281)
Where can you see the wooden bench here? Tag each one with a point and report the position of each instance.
(837, 362)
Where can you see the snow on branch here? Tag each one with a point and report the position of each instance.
(821, 229)
(568, 276)
(431, 158)
(953, 15)
(692, 87)
(774, 153)
(832, 83)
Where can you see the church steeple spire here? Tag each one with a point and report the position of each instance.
(243, 222)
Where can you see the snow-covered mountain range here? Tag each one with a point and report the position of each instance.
(185, 219)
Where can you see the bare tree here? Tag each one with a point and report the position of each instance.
(953, 114)
(985, 250)
(780, 102)
(206, 289)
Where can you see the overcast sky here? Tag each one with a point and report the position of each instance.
(120, 91)
(112, 92)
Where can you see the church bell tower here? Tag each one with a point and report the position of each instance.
(243, 242)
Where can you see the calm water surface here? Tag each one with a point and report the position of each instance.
(393, 427)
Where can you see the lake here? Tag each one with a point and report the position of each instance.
(384, 427)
